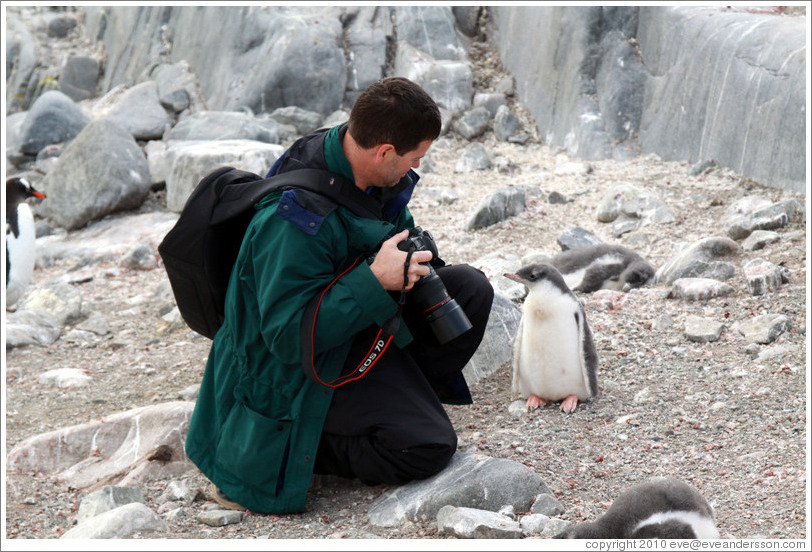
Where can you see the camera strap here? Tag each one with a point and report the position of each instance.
(382, 340)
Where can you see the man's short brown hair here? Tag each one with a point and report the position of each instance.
(394, 111)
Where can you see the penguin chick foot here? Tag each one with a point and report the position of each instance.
(569, 404)
(534, 401)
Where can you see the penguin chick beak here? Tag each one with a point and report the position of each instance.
(514, 277)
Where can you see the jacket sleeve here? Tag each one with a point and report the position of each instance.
(286, 267)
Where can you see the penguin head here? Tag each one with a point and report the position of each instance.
(19, 189)
(532, 275)
(637, 274)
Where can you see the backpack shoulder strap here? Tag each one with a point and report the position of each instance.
(333, 186)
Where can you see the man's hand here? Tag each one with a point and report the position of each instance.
(388, 264)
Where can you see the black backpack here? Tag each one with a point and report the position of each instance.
(200, 250)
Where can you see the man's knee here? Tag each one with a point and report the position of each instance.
(424, 461)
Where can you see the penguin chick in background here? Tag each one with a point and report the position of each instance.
(602, 266)
(20, 238)
(659, 508)
(554, 357)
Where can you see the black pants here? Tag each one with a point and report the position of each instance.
(390, 425)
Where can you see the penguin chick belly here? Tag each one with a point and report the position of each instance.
(550, 357)
(702, 526)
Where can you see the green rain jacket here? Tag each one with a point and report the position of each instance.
(258, 419)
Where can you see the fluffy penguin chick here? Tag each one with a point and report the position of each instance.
(602, 266)
(659, 508)
(20, 237)
(554, 357)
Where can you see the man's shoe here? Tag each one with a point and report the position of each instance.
(223, 500)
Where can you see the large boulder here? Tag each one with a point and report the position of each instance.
(190, 161)
(262, 57)
(53, 118)
(102, 171)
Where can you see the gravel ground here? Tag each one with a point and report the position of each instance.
(711, 414)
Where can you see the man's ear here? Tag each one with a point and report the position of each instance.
(384, 151)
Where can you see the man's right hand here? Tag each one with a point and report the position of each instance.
(388, 264)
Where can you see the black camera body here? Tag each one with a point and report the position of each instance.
(445, 317)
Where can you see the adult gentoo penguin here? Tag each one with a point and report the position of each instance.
(602, 266)
(20, 237)
(554, 357)
(659, 508)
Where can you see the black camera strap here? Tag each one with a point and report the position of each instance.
(382, 340)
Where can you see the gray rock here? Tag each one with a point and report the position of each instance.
(155, 150)
(139, 111)
(546, 504)
(767, 218)
(21, 60)
(474, 158)
(557, 198)
(141, 257)
(189, 393)
(764, 328)
(31, 327)
(448, 82)
(759, 239)
(64, 378)
(303, 120)
(503, 165)
(104, 450)
(577, 237)
(703, 167)
(702, 330)
(763, 276)
(533, 524)
(63, 302)
(104, 239)
(365, 37)
(190, 161)
(105, 499)
(554, 527)
(53, 118)
(61, 26)
(122, 522)
(492, 101)
(90, 182)
(496, 207)
(79, 77)
(693, 261)
(470, 480)
(467, 18)
(495, 265)
(473, 123)
(573, 168)
(470, 523)
(634, 203)
(14, 123)
(220, 518)
(178, 87)
(430, 29)
(496, 347)
(221, 125)
(699, 289)
(95, 323)
(505, 123)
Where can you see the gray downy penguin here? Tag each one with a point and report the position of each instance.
(20, 238)
(602, 266)
(664, 508)
(554, 356)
